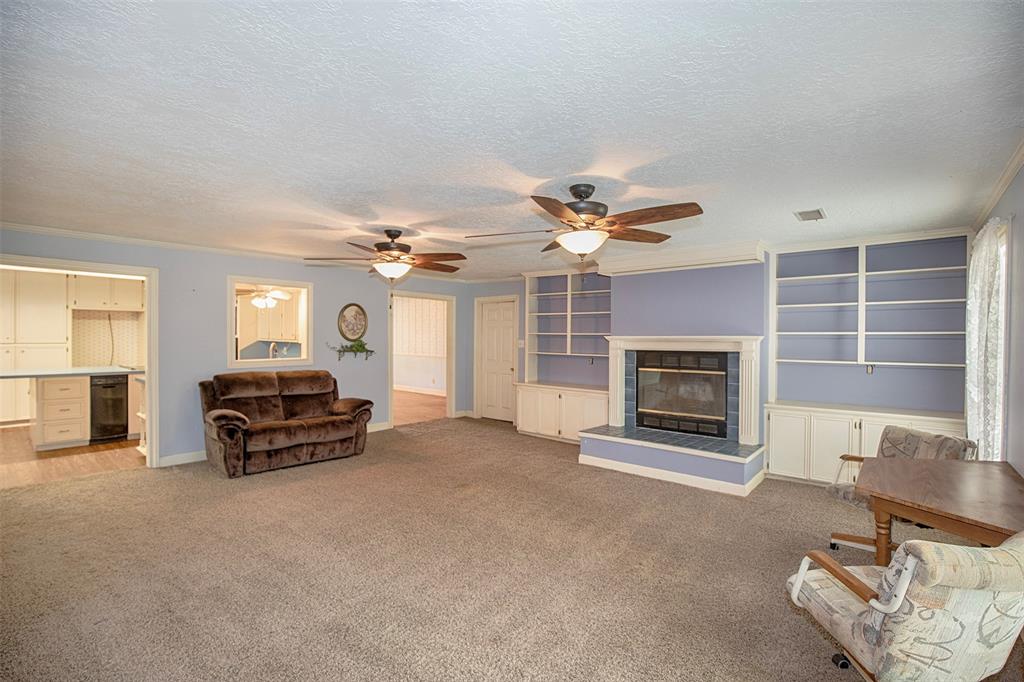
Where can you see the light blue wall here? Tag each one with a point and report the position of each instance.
(193, 319)
(1011, 207)
(728, 301)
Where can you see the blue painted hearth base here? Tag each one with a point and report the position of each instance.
(711, 463)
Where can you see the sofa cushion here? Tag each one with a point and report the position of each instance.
(305, 382)
(326, 429)
(266, 408)
(245, 385)
(302, 406)
(268, 460)
(273, 435)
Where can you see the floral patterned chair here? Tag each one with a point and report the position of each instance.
(896, 441)
(937, 612)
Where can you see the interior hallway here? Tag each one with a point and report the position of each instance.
(411, 408)
(21, 465)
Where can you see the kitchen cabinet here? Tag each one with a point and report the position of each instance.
(7, 303)
(559, 411)
(805, 439)
(136, 408)
(107, 293)
(62, 410)
(40, 307)
(15, 399)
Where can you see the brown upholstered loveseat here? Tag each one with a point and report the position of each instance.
(258, 421)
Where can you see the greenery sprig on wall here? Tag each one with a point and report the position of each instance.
(355, 348)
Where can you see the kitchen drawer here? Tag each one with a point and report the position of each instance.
(62, 389)
(59, 410)
(57, 432)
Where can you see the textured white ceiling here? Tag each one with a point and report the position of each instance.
(290, 127)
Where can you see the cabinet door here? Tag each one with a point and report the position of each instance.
(41, 308)
(90, 292)
(7, 303)
(582, 411)
(528, 410)
(831, 436)
(787, 444)
(248, 323)
(126, 294)
(135, 423)
(939, 428)
(550, 418)
(289, 320)
(263, 324)
(42, 357)
(13, 392)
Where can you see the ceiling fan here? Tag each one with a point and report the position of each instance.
(588, 225)
(392, 259)
(264, 296)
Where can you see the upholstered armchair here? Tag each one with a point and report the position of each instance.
(937, 612)
(896, 441)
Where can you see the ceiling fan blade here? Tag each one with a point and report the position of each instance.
(557, 209)
(360, 246)
(504, 234)
(438, 256)
(629, 234)
(551, 247)
(328, 258)
(655, 214)
(436, 267)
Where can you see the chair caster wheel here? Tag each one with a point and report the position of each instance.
(833, 546)
(841, 662)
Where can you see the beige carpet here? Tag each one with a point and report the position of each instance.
(454, 549)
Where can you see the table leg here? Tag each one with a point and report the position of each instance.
(883, 533)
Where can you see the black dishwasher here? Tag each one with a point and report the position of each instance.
(108, 408)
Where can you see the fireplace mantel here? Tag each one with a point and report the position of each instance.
(747, 346)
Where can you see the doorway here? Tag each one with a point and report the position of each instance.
(496, 357)
(422, 358)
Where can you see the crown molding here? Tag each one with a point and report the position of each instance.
(791, 247)
(1013, 167)
(720, 255)
(181, 246)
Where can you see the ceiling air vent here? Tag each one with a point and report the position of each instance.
(813, 214)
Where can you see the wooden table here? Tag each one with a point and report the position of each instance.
(980, 501)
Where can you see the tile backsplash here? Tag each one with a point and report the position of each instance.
(91, 332)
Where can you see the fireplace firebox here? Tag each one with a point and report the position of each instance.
(683, 391)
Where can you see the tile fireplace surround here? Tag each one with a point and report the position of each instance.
(734, 466)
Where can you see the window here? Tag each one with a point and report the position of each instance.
(269, 322)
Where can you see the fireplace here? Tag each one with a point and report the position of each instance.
(683, 391)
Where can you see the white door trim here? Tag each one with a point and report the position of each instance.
(152, 330)
(449, 350)
(478, 306)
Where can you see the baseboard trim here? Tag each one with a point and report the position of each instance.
(377, 426)
(464, 413)
(181, 458)
(675, 477)
(425, 391)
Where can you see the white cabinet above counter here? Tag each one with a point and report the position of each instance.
(106, 293)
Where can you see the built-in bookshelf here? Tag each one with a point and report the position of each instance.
(568, 318)
(900, 304)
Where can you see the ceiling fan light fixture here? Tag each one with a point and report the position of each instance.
(582, 242)
(392, 270)
(279, 295)
(262, 301)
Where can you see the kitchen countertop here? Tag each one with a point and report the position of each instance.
(67, 372)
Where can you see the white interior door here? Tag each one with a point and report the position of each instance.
(499, 329)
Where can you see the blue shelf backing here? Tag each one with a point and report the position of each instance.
(923, 253)
(811, 263)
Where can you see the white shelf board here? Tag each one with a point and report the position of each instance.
(816, 333)
(913, 364)
(551, 293)
(591, 333)
(915, 333)
(592, 292)
(817, 362)
(918, 302)
(548, 314)
(571, 355)
(816, 305)
(912, 271)
(548, 333)
(594, 312)
(811, 278)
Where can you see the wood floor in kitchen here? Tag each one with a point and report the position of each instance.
(21, 465)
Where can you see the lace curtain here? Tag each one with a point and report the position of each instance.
(986, 306)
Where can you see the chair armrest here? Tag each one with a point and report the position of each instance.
(350, 407)
(851, 458)
(839, 572)
(226, 418)
(968, 568)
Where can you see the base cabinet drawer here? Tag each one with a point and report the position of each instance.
(61, 389)
(57, 432)
(58, 410)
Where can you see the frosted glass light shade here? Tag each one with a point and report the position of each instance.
(582, 242)
(392, 270)
(279, 295)
(259, 301)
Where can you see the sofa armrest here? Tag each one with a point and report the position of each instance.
(350, 407)
(226, 418)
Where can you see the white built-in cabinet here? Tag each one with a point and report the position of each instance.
(106, 293)
(33, 333)
(280, 323)
(559, 411)
(806, 440)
